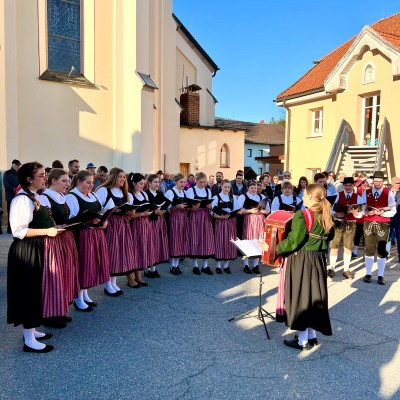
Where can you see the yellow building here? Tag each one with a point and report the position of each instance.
(343, 114)
(100, 81)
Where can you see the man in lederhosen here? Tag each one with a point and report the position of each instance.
(381, 206)
(345, 213)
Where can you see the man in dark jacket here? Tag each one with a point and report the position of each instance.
(216, 188)
(238, 185)
(10, 182)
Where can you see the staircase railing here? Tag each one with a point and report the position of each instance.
(381, 146)
(341, 141)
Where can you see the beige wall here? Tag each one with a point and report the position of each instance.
(201, 149)
(304, 151)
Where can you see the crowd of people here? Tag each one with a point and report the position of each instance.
(57, 254)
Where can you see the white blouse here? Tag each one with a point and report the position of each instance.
(225, 197)
(102, 194)
(21, 213)
(206, 193)
(73, 204)
(256, 197)
(285, 200)
(56, 196)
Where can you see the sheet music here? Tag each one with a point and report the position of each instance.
(249, 248)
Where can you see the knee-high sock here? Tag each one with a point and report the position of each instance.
(86, 295)
(254, 262)
(109, 287)
(114, 284)
(369, 262)
(346, 260)
(226, 264)
(174, 262)
(303, 337)
(219, 264)
(195, 263)
(205, 263)
(153, 268)
(80, 301)
(30, 340)
(312, 334)
(245, 262)
(332, 261)
(381, 266)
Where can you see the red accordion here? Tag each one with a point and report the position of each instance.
(277, 227)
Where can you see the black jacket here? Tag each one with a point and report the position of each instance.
(10, 182)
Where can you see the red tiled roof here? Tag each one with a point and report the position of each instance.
(388, 28)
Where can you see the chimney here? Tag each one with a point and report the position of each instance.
(190, 101)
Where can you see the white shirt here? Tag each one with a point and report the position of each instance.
(205, 193)
(288, 200)
(140, 196)
(225, 197)
(102, 194)
(21, 214)
(73, 204)
(170, 195)
(255, 197)
(359, 201)
(56, 196)
(391, 202)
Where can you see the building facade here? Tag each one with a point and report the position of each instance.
(352, 93)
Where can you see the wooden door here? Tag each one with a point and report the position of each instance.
(184, 168)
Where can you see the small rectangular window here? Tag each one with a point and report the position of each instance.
(260, 171)
(249, 152)
(260, 153)
(317, 122)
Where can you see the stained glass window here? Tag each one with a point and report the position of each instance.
(64, 35)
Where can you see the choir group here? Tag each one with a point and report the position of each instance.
(58, 253)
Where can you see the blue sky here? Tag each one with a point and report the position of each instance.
(263, 46)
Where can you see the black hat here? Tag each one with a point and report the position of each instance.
(16, 162)
(378, 175)
(159, 172)
(349, 179)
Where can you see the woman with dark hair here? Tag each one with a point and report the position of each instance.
(159, 227)
(201, 235)
(114, 193)
(30, 253)
(303, 182)
(92, 245)
(306, 292)
(253, 223)
(141, 232)
(178, 224)
(67, 288)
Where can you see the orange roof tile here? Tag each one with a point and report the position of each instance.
(388, 28)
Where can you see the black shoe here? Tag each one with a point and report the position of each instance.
(218, 271)
(207, 271)
(65, 318)
(107, 293)
(150, 274)
(367, 279)
(196, 271)
(156, 274)
(137, 286)
(54, 322)
(91, 303)
(354, 256)
(178, 271)
(381, 280)
(311, 342)
(173, 271)
(247, 270)
(227, 270)
(87, 309)
(144, 284)
(295, 344)
(256, 270)
(120, 292)
(28, 349)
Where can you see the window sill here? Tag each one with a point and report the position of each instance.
(66, 79)
(313, 136)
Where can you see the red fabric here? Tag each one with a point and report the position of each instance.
(225, 230)
(342, 200)
(309, 217)
(381, 202)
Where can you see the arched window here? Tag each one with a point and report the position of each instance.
(369, 73)
(224, 156)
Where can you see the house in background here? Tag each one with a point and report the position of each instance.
(263, 145)
(342, 115)
(102, 81)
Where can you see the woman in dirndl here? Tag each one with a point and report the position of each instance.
(66, 287)
(30, 254)
(225, 227)
(201, 235)
(91, 242)
(122, 258)
(254, 207)
(141, 232)
(178, 224)
(306, 292)
(158, 225)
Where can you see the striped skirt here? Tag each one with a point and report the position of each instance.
(54, 299)
(121, 252)
(178, 234)
(253, 226)
(280, 305)
(225, 230)
(93, 258)
(70, 261)
(143, 245)
(201, 235)
(160, 237)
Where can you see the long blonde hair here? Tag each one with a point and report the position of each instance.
(112, 181)
(321, 207)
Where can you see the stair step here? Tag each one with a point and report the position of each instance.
(362, 147)
(360, 152)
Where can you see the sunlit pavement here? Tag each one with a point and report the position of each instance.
(172, 340)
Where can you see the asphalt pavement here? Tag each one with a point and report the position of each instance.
(173, 340)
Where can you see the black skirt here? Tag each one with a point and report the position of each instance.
(306, 292)
(24, 282)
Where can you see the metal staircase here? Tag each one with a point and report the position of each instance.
(358, 159)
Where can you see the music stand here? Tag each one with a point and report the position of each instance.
(261, 312)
